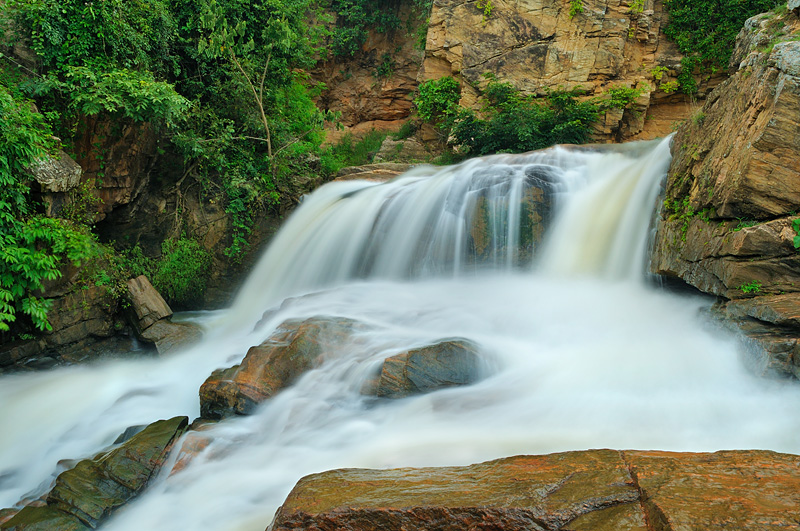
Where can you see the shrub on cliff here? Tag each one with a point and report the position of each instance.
(32, 247)
(705, 32)
(512, 122)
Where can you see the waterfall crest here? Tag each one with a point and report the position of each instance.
(487, 214)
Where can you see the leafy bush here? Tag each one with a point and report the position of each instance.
(355, 17)
(705, 32)
(31, 246)
(182, 272)
(347, 152)
(438, 99)
(514, 123)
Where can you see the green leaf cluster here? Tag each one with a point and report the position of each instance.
(512, 122)
(182, 273)
(705, 32)
(32, 247)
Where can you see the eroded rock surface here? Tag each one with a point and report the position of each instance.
(84, 496)
(595, 490)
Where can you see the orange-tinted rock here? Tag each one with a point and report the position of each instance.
(597, 490)
(294, 348)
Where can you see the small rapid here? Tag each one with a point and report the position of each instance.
(538, 258)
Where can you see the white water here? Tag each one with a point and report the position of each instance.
(584, 354)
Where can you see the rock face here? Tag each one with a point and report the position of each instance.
(537, 45)
(595, 490)
(148, 304)
(448, 363)
(84, 496)
(732, 191)
(295, 347)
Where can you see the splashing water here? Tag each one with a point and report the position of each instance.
(538, 258)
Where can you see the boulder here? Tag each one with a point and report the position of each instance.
(449, 363)
(147, 303)
(594, 490)
(379, 172)
(169, 337)
(56, 173)
(295, 347)
(86, 495)
(408, 150)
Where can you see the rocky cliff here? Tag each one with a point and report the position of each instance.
(728, 225)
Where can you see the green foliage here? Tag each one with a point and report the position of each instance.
(125, 33)
(620, 97)
(705, 31)
(751, 287)
(514, 123)
(575, 7)
(486, 7)
(356, 17)
(796, 228)
(347, 152)
(385, 69)
(406, 130)
(438, 99)
(744, 223)
(31, 246)
(182, 272)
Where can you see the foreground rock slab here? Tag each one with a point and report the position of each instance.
(84, 496)
(594, 490)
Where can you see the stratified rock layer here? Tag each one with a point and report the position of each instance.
(595, 490)
(733, 192)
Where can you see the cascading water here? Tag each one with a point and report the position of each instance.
(583, 354)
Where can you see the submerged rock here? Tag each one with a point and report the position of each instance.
(595, 490)
(295, 347)
(84, 496)
(449, 363)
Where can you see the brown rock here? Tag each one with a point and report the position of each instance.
(146, 302)
(379, 172)
(595, 490)
(408, 150)
(294, 348)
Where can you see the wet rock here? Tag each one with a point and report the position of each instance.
(594, 490)
(169, 337)
(147, 303)
(294, 348)
(449, 363)
(84, 496)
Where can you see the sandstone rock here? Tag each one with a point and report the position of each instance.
(734, 165)
(56, 173)
(80, 314)
(444, 364)
(537, 45)
(408, 150)
(594, 490)
(147, 303)
(379, 172)
(295, 347)
(84, 496)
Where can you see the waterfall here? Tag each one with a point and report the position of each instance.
(537, 258)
